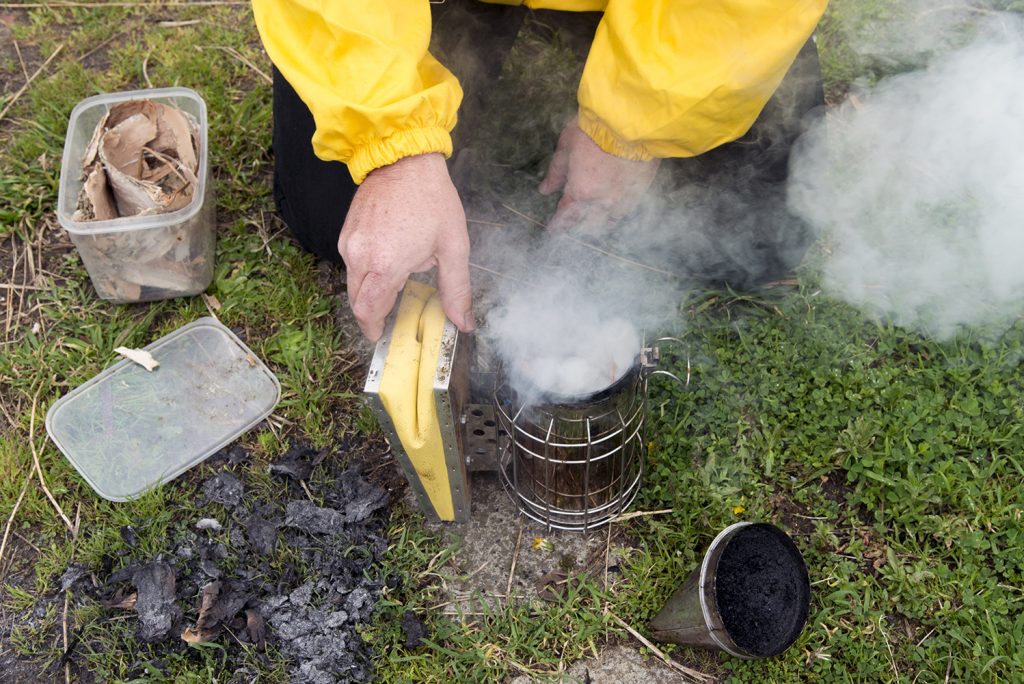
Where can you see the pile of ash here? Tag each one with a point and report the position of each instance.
(288, 572)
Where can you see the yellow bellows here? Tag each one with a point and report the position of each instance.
(407, 390)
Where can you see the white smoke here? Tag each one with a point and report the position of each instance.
(558, 341)
(919, 190)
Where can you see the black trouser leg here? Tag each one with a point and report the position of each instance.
(313, 196)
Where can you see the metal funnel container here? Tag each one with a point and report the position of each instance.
(749, 597)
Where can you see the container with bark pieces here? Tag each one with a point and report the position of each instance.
(135, 196)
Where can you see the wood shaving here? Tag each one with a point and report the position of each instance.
(139, 356)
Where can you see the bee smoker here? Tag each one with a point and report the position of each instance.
(571, 463)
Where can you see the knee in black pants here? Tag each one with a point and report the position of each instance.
(312, 196)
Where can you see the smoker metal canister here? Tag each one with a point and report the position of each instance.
(576, 463)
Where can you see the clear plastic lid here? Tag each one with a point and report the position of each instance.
(129, 429)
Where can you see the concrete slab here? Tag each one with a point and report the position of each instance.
(618, 664)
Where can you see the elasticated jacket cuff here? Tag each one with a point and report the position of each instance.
(608, 141)
(407, 143)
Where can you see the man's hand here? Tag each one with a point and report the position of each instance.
(406, 218)
(596, 186)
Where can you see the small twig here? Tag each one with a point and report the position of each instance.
(244, 60)
(10, 300)
(949, 666)
(78, 519)
(10, 518)
(639, 514)
(100, 46)
(306, 489)
(39, 470)
(27, 542)
(515, 558)
(681, 669)
(175, 165)
(925, 637)
(23, 88)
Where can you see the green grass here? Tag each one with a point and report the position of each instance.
(894, 461)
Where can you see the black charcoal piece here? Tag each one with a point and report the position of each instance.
(295, 464)
(415, 630)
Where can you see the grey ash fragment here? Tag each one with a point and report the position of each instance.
(155, 603)
(224, 488)
(310, 518)
(361, 498)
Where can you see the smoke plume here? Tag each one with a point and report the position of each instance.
(918, 190)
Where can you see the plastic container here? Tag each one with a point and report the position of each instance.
(129, 429)
(141, 258)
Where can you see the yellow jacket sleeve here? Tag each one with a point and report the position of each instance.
(675, 78)
(365, 73)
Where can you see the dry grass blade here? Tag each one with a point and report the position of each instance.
(10, 518)
(16, 288)
(24, 69)
(491, 271)
(639, 514)
(515, 558)
(525, 216)
(145, 69)
(595, 248)
(693, 675)
(39, 470)
(64, 631)
(179, 24)
(244, 60)
(24, 87)
(621, 258)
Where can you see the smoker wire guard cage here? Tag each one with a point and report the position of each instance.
(574, 463)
